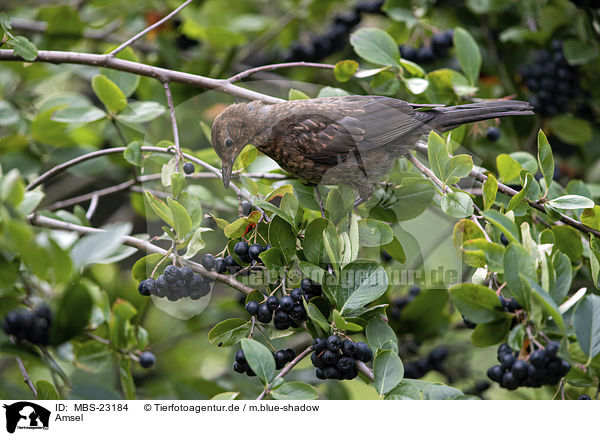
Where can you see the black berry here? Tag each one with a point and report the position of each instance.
(188, 168)
(208, 261)
(147, 359)
(363, 352)
(286, 303)
(493, 134)
(252, 307)
(319, 344)
(264, 314)
(272, 302)
(334, 343)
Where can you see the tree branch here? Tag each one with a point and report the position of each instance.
(140, 244)
(511, 192)
(26, 377)
(365, 370)
(148, 29)
(173, 121)
(162, 74)
(286, 369)
(271, 67)
(93, 155)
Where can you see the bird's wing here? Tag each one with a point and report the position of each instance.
(328, 131)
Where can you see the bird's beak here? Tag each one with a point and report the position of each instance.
(226, 172)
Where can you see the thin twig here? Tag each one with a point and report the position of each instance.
(417, 163)
(365, 370)
(95, 154)
(271, 67)
(26, 377)
(285, 370)
(173, 123)
(105, 34)
(147, 29)
(106, 61)
(141, 245)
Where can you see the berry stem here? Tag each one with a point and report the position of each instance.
(24, 373)
(286, 369)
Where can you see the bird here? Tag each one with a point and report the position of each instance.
(352, 139)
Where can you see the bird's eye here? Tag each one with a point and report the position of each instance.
(228, 143)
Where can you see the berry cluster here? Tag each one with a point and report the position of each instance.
(552, 81)
(428, 53)
(398, 304)
(228, 264)
(433, 362)
(544, 368)
(29, 325)
(287, 311)
(175, 283)
(335, 38)
(587, 4)
(509, 305)
(241, 364)
(282, 357)
(336, 359)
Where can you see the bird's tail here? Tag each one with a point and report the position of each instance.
(453, 116)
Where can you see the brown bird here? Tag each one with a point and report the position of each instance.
(351, 139)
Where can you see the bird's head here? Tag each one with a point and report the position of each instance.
(232, 130)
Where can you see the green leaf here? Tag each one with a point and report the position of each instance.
(140, 111)
(380, 335)
(339, 203)
(546, 301)
(491, 333)
(317, 317)
(133, 153)
(225, 396)
(127, 382)
(516, 337)
(295, 391)
(591, 217)
(586, 321)
(395, 249)
(388, 371)
(476, 302)
(412, 198)
(328, 91)
(313, 245)
(24, 48)
(508, 168)
(93, 356)
(142, 268)
(344, 70)
(579, 52)
(196, 243)
(416, 85)
(229, 332)
(545, 158)
(12, 189)
(46, 391)
(86, 114)
(311, 271)
(260, 359)
(364, 282)
(490, 254)
(160, 208)
(72, 315)
(182, 223)
(437, 153)
(8, 114)
(459, 167)
(99, 247)
(177, 184)
(109, 93)
(127, 82)
(524, 193)
(570, 202)
(342, 324)
(568, 240)
(375, 46)
(457, 204)
(294, 94)
(564, 276)
(374, 233)
(490, 189)
(517, 262)
(467, 52)
(571, 130)
(503, 223)
(282, 236)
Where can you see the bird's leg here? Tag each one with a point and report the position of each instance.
(320, 200)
